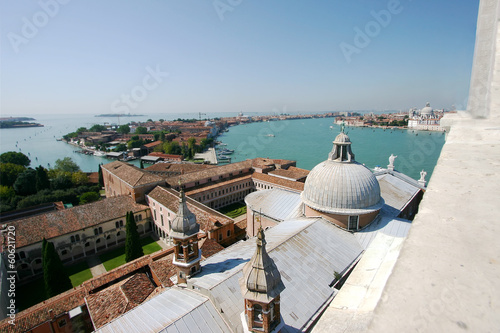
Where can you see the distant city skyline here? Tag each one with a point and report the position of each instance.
(154, 57)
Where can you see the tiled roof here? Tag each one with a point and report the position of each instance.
(292, 172)
(293, 185)
(177, 168)
(39, 313)
(263, 162)
(131, 174)
(209, 247)
(117, 273)
(205, 216)
(33, 229)
(214, 172)
(113, 301)
(164, 269)
(217, 185)
(153, 144)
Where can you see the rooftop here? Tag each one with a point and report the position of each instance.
(33, 229)
(131, 174)
(205, 216)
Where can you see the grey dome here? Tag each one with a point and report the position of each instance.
(427, 110)
(340, 185)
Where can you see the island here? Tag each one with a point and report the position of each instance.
(18, 122)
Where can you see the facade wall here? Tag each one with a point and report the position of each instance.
(163, 216)
(114, 186)
(80, 244)
(225, 194)
(263, 185)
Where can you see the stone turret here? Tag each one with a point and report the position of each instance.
(261, 287)
(184, 232)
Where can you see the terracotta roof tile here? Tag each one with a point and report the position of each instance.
(291, 172)
(290, 184)
(176, 168)
(205, 216)
(214, 172)
(52, 224)
(164, 269)
(131, 174)
(106, 305)
(153, 144)
(209, 247)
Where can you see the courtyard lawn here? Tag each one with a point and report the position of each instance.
(234, 210)
(116, 257)
(79, 273)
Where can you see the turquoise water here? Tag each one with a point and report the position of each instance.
(308, 141)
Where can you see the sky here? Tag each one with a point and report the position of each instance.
(186, 56)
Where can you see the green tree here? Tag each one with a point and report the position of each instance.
(133, 248)
(9, 173)
(101, 179)
(55, 277)
(120, 147)
(67, 165)
(80, 130)
(123, 129)
(98, 128)
(15, 158)
(25, 183)
(42, 178)
(142, 164)
(6, 193)
(89, 197)
(162, 136)
(61, 181)
(79, 178)
(141, 130)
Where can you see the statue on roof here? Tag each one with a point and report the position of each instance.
(342, 127)
(422, 176)
(391, 160)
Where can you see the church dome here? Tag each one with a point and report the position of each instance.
(340, 185)
(427, 110)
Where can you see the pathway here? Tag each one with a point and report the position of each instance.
(96, 266)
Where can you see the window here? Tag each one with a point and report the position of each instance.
(64, 252)
(100, 230)
(228, 233)
(161, 216)
(62, 323)
(257, 313)
(154, 212)
(87, 244)
(72, 239)
(77, 238)
(220, 236)
(353, 223)
(108, 237)
(98, 241)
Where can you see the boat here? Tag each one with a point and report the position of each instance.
(99, 153)
(270, 135)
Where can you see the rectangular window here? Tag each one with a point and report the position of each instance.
(161, 216)
(353, 223)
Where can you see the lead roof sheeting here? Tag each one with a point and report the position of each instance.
(396, 192)
(168, 308)
(307, 261)
(277, 204)
(386, 224)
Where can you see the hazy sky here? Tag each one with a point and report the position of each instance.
(166, 56)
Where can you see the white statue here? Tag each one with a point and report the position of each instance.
(391, 161)
(422, 176)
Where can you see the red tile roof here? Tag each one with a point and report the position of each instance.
(153, 144)
(131, 174)
(209, 247)
(292, 173)
(33, 229)
(107, 304)
(205, 216)
(290, 184)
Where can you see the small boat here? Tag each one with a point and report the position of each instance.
(99, 153)
(270, 135)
